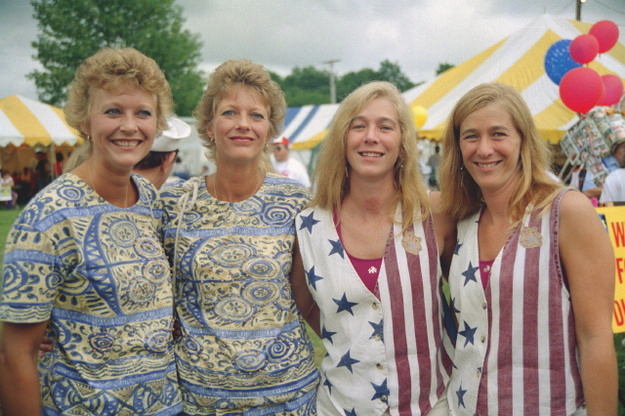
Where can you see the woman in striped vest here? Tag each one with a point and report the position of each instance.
(532, 275)
(371, 261)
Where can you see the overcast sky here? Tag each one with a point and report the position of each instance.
(282, 34)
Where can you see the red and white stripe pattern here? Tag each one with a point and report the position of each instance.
(413, 334)
(515, 350)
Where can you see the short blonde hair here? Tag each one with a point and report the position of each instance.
(233, 73)
(110, 68)
(331, 180)
(460, 195)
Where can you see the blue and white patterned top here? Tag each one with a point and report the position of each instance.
(98, 273)
(244, 349)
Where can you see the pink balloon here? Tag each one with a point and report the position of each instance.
(606, 33)
(580, 89)
(612, 90)
(584, 48)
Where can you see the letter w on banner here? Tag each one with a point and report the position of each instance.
(613, 219)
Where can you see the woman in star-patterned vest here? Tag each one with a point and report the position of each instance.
(532, 275)
(371, 260)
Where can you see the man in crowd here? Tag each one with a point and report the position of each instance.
(285, 165)
(614, 185)
(158, 164)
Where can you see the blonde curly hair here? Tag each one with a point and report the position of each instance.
(233, 73)
(111, 68)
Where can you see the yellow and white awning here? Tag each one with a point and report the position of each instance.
(518, 61)
(25, 121)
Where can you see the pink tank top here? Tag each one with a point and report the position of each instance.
(368, 269)
(485, 267)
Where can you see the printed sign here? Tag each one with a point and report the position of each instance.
(614, 220)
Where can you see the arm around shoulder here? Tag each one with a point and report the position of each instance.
(588, 262)
(445, 230)
(303, 299)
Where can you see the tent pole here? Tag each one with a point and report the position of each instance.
(52, 159)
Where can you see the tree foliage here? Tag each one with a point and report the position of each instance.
(442, 67)
(391, 72)
(352, 80)
(309, 85)
(306, 85)
(72, 30)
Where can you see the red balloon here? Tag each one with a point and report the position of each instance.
(584, 48)
(580, 89)
(606, 33)
(612, 90)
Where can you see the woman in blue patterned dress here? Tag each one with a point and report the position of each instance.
(84, 258)
(229, 236)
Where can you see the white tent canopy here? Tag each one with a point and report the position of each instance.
(30, 122)
(517, 60)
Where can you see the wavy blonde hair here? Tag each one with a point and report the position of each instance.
(460, 195)
(332, 183)
(233, 73)
(110, 69)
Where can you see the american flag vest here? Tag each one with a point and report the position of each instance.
(384, 354)
(515, 350)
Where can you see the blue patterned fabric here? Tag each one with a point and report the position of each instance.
(244, 350)
(98, 273)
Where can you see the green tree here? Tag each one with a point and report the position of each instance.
(391, 72)
(352, 80)
(304, 86)
(309, 85)
(72, 30)
(388, 71)
(442, 67)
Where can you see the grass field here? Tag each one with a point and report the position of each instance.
(7, 216)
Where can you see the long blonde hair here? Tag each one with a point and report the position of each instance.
(331, 172)
(460, 195)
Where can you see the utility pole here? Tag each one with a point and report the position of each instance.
(331, 63)
(578, 9)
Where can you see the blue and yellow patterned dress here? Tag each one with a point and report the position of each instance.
(244, 349)
(98, 273)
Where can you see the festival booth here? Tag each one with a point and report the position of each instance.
(28, 127)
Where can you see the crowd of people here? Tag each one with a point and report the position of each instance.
(18, 187)
(492, 296)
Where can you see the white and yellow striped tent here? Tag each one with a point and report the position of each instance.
(29, 122)
(517, 60)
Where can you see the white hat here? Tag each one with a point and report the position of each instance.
(169, 140)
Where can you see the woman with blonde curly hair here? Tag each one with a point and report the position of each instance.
(532, 275)
(371, 252)
(84, 259)
(230, 237)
